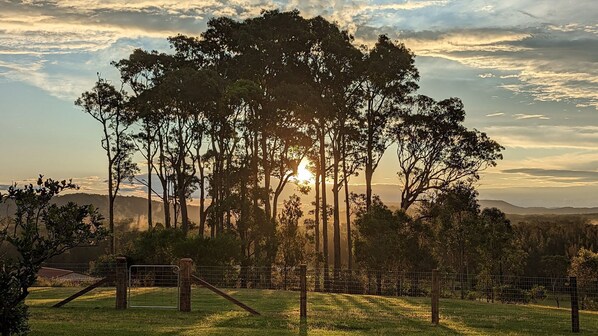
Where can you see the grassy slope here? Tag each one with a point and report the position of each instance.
(328, 314)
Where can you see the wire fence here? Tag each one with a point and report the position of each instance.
(351, 295)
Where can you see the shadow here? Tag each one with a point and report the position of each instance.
(303, 327)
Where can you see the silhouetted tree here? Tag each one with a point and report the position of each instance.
(108, 106)
(389, 76)
(435, 150)
(38, 231)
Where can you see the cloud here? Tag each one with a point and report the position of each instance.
(520, 116)
(498, 114)
(557, 174)
(542, 49)
(547, 137)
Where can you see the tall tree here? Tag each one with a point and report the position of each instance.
(141, 71)
(455, 217)
(435, 149)
(334, 65)
(107, 105)
(389, 76)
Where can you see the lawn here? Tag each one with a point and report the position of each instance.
(328, 314)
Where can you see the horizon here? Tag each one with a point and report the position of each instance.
(526, 73)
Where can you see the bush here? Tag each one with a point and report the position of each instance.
(13, 320)
(167, 246)
(471, 295)
(537, 293)
(511, 294)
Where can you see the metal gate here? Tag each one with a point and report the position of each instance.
(154, 286)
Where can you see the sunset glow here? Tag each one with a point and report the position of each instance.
(304, 175)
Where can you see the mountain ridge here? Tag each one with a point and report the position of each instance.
(140, 202)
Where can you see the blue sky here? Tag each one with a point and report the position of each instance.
(526, 70)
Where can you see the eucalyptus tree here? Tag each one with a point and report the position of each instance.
(141, 71)
(334, 64)
(454, 214)
(435, 149)
(389, 76)
(107, 105)
(353, 160)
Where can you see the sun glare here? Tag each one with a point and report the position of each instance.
(303, 173)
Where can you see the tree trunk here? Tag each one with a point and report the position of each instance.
(336, 213)
(149, 180)
(379, 282)
(202, 201)
(348, 218)
(369, 172)
(324, 212)
(111, 210)
(317, 228)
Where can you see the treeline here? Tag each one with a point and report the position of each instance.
(451, 233)
(232, 113)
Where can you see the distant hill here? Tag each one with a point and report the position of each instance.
(133, 209)
(509, 208)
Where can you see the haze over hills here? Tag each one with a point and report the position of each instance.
(135, 207)
(511, 209)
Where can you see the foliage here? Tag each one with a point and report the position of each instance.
(291, 241)
(377, 240)
(106, 105)
(584, 266)
(511, 294)
(436, 150)
(167, 246)
(38, 231)
(500, 252)
(537, 293)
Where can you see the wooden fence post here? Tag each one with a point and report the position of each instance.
(303, 284)
(185, 284)
(435, 296)
(121, 282)
(574, 304)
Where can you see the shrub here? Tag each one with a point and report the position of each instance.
(537, 293)
(511, 294)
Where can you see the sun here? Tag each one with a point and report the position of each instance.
(304, 176)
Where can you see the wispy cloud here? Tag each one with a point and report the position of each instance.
(520, 116)
(549, 137)
(561, 175)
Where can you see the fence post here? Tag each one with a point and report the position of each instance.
(303, 284)
(435, 296)
(574, 304)
(121, 282)
(185, 284)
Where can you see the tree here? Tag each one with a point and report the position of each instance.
(291, 241)
(141, 72)
(454, 214)
(435, 150)
(388, 78)
(555, 267)
(107, 105)
(584, 266)
(38, 231)
(500, 251)
(377, 239)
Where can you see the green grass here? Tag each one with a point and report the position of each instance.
(328, 314)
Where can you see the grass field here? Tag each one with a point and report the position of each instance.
(328, 314)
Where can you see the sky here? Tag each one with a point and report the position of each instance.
(526, 70)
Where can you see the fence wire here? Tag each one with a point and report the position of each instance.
(347, 299)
